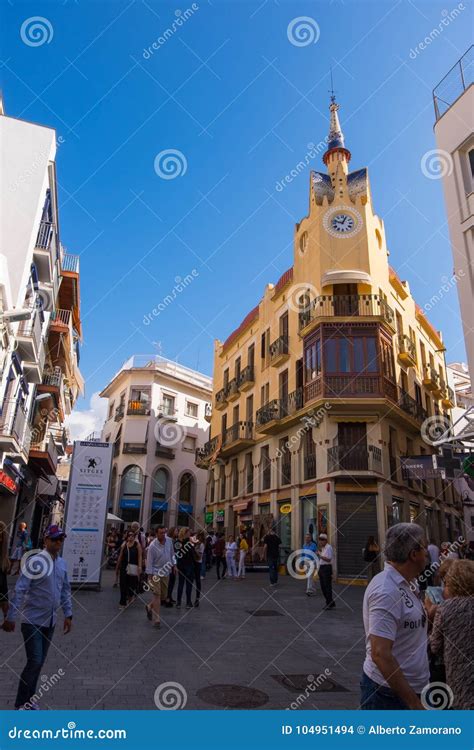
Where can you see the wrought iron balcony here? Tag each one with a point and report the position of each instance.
(221, 398)
(240, 434)
(430, 378)
(233, 390)
(205, 453)
(119, 412)
(247, 378)
(347, 306)
(208, 412)
(279, 408)
(141, 408)
(351, 386)
(449, 400)
(412, 407)
(279, 350)
(354, 458)
(406, 350)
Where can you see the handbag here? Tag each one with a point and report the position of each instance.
(131, 570)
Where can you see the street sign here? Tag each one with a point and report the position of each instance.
(86, 511)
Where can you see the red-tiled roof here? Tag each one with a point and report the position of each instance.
(249, 318)
(284, 279)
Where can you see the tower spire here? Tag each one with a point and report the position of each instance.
(335, 137)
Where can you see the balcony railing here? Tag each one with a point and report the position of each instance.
(53, 378)
(221, 398)
(12, 420)
(279, 348)
(208, 412)
(412, 407)
(455, 82)
(450, 399)
(134, 448)
(45, 235)
(204, 453)
(167, 410)
(59, 436)
(354, 458)
(279, 408)
(309, 466)
(246, 378)
(119, 412)
(232, 390)
(238, 431)
(61, 317)
(141, 408)
(347, 306)
(31, 329)
(70, 263)
(430, 378)
(406, 349)
(47, 446)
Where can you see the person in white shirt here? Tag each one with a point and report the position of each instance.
(160, 562)
(396, 664)
(230, 552)
(325, 555)
(433, 551)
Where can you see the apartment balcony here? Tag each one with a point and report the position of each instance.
(204, 454)
(449, 399)
(412, 407)
(60, 321)
(60, 437)
(430, 378)
(406, 350)
(29, 337)
(279, 351)
(119, 412)
(350, 386)
(441, 390)
(279, 413)
(44, 454)
(347, 458)
(233, 390)
(208, 412)
(34, 368)
(69, 263)
(168, 412)
(237, 437)
(221, 399)
(344, 307)
(14, 429)
(140, 408)
(309, 467)
(134, 448)
(247, 378)
(164, 451)
(44, 253)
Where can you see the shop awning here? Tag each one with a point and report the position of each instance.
(135, 430)
(159, 505)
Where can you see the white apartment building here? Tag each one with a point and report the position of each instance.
(158, 413)
(39, 325)
(454, 131)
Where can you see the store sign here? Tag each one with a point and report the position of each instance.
(209, 517)
(285, 509)
(86, 510)
(220, 516)
(10, 484)
(418, 467)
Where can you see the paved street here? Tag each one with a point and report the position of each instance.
(115, 659)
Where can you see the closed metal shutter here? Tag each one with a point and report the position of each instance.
(356, 520)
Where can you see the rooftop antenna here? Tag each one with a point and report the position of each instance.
(332, 92)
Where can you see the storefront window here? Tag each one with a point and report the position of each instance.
(284, 531)
(309, 517)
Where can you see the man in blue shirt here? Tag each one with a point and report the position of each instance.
(310, 560)
(42, 588)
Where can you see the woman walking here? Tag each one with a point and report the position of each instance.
(199, 560)
(371, 557)
(4, 565)
(230, 552)
(185, 564)
(243, 549)
(23, 543)
(129, 565)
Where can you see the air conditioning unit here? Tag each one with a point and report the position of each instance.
(45, 298)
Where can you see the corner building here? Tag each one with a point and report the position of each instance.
(325, 384)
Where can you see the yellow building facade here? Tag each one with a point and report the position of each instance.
(325, 385)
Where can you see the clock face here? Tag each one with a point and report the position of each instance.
(341, 222)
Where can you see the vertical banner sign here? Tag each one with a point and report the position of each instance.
(86, 511)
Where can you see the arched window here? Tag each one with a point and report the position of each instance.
(160, 484)
(186, 488)
(160, 488)
(131, 494)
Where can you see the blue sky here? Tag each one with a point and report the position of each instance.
(230, 92)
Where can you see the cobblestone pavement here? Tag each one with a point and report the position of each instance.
(115, 659)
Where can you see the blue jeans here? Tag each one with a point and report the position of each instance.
(37, 641)
(375, 697)
(273, 569)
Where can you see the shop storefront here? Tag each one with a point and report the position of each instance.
(129, 509)
(209, 519)
(284, 529)
(219, 520)
(158, 510)
(309, 517)
(185, 512)
(356, 520)
(8, 498)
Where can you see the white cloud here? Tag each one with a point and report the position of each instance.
(82, 422)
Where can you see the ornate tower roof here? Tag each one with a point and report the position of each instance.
(335, 137)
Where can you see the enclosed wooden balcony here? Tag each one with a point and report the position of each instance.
(406, 350)
(350, 386)
(345, 307)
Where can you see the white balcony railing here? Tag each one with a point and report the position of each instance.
(13, 421)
